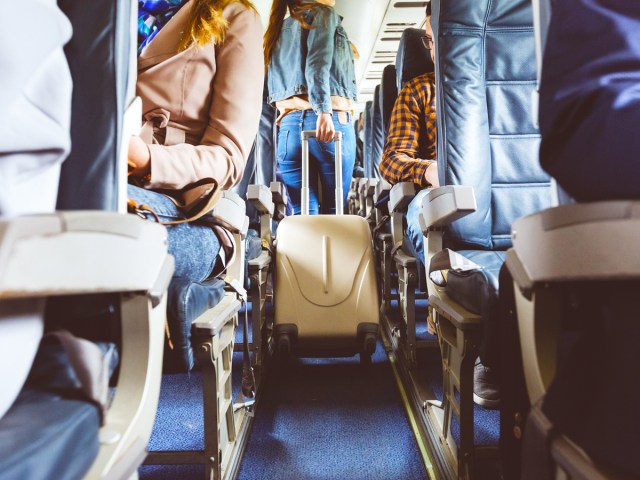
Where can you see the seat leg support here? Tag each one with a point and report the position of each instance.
(206, 360)
(407, 282)
(259, 330)
(459, 350)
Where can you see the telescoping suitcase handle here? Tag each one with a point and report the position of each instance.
(306, 135)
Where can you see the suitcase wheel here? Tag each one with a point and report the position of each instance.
(369, 344)
(284, 345)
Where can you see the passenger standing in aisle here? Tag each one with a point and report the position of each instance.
(311, 81)
(200, 80)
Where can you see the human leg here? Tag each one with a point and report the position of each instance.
(290, 159)
(414, 232)
(324, 152)
(194, 246)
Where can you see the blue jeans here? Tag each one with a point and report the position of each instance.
(414, 232)
(321, 160)
(194, 246)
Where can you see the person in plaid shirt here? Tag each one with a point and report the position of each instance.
(410, 150)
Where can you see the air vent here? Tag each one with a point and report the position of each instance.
(410, 5)
(400, 24)
(384, 62)
(390, 39)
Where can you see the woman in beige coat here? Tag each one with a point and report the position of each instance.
(200, 77)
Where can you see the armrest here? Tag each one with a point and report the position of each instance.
(353, 187)
(400, 196)
(381, 188)
(578, 242)
(69, 253)
(370, 187)
(444, 205)
(231, 212)
(362, 185)
(277, 193)
(260, 197)
(279, 198)
(211, 322)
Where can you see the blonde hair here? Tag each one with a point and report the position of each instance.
(206, 23)
(276, 20)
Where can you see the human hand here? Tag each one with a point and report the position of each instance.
(139, 157)
(431, 175)
(325, 131)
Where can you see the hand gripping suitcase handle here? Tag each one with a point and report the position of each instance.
(306, 135)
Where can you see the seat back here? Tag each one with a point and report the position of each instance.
(485, 76)
(377, 134)
(102, 59)
(368, 139)
(101, 56)
(564, 436)
(413, 57)
(388, 95)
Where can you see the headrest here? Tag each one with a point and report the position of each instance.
(413, 56)
(388, 94)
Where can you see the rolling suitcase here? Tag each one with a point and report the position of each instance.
(325, 293)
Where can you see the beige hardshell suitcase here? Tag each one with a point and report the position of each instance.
(325, 295)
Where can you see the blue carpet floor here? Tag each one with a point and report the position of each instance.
(331, 419)
(486, 422)
(318, 419)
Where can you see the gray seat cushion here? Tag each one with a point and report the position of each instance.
(474, 289)
(477, 291)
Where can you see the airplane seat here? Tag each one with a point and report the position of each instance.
(379, 209)
(266, 200)
(388, 95)
(576, 316)
(358, 204)
(65, 422)
(378, 135)
(412, 59)
(489, 175)
(368, 139)
(365, 187)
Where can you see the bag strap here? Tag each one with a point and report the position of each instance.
(207, 207)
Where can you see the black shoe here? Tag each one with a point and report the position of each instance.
(486, 392)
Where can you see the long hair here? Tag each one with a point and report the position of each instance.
(276, 20)
(206, 22)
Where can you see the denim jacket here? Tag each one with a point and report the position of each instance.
(317, 62)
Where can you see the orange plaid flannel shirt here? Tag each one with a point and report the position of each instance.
(411, 144)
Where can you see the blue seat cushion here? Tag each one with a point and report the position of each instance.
(477, 291)
(50, 431)
(186, 301)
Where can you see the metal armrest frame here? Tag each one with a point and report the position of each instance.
(260, 197)
(60, 254)
(279, 198)
(558, 246)
(458, 330)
